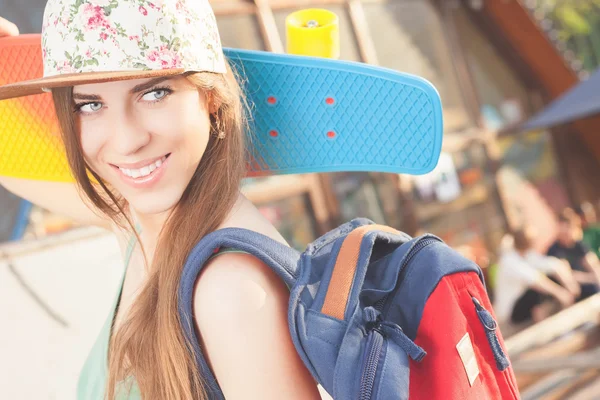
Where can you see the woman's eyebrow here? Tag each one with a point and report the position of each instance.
(136, 89)
(81, 96)
(147, 85)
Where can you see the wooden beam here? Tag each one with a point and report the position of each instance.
(582, 360)
(318, 200)
(577, 341)
(361, 31)
(226, 8)
(331, 200)
(299, 4)
(563, 322)
(582, 390)
(277, 188)
(229, 7)
(457, 54)
(296, 4)
(268, 27)
(410, 223)
(553, 385)
(471, 196)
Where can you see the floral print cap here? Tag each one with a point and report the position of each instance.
(80, 36)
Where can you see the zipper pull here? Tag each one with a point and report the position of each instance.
(478, 305)
(484, 316)
(396, 333)
(374, 322)
(490, 325)
(372, 319)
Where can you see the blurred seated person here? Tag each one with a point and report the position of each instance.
(527, 281)
(569, 246)
(590, 226)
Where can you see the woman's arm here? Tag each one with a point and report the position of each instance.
(58, 197)
(241, 312)
(7, 28)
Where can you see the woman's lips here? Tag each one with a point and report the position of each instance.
(131, 178)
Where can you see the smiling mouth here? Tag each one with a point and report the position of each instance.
(144, 171)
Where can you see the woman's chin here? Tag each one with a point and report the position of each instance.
(152, 205)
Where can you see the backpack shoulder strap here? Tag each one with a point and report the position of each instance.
(282, 259)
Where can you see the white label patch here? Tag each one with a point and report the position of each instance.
(467, 355)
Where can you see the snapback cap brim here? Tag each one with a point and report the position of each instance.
(41, 85)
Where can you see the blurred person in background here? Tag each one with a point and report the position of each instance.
(590, 226)
(569, 246)
(527, 281)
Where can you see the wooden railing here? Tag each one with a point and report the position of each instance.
(560, 356)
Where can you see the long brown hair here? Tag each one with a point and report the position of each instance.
(150, 345)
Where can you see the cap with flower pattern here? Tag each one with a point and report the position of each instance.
(86, 41)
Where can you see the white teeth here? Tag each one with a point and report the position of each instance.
(144, 171)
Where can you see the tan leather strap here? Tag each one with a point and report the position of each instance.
(344, 270)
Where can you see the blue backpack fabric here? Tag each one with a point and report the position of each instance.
(368, 350)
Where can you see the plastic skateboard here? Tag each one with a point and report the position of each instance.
(309, 114)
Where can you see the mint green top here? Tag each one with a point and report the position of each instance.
(93, 377)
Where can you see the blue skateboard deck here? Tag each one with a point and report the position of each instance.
(322, 115)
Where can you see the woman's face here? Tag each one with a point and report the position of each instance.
(144, 137)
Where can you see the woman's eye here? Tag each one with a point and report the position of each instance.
(90, 107)
(155, 95)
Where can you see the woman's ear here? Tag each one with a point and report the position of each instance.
(213, 103)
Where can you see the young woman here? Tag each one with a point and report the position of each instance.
(158, 153)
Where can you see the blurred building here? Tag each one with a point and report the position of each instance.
(494, 64)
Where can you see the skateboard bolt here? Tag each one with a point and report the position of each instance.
(312, 24)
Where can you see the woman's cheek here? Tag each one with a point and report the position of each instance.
(161, 121)
(91, 143)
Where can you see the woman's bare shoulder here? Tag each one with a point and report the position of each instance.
(239, 274)
(240, 306)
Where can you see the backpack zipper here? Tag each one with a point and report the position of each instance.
(373, 349)
(375, 340)
(380, 331)
(381, 303)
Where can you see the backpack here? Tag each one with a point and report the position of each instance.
(376, 314)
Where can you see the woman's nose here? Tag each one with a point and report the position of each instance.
(129, 136)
